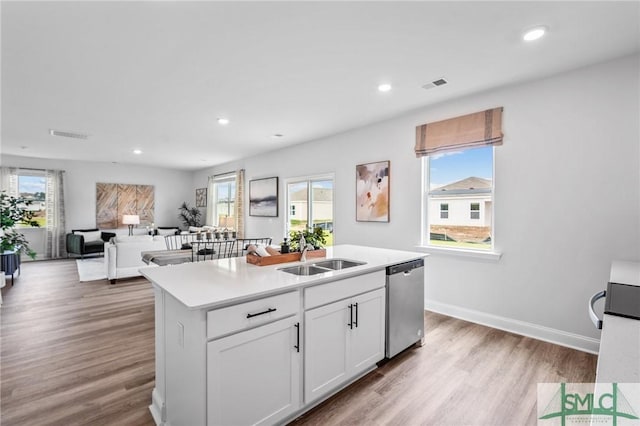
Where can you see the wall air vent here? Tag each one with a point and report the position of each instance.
(68, 134)
(435, 83)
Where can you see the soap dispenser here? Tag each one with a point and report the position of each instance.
(284, 247)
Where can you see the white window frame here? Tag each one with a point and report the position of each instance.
(444, 211)
(477, 212)
(214, 200)
(425, 246)
(35, 173)
(309, 180)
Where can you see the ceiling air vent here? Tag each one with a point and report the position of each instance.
(67, 134)
(435, 83)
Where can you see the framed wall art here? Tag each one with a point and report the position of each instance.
(263, 197)
(201, 197)
(372, 192)
(114, 200)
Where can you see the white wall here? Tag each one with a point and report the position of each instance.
(171, 187)
(571, 147)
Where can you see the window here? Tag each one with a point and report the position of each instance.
(458, 199)
(33, 187)
(475, 211)
(224, 202)
(444, 211)
(310, 201)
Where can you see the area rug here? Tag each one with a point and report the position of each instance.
(91, 269)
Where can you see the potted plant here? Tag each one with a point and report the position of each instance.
(314, 236)
(13, 211)
(190, 216)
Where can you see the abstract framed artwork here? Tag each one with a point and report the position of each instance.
(201, 197)
(372, 192)
(263, 197)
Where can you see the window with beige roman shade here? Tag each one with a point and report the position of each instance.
(468, 131)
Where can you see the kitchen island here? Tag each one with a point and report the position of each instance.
(243, 344)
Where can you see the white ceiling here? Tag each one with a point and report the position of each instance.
(156, 75)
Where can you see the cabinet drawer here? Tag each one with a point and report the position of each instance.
(250, 314)
(341, 289)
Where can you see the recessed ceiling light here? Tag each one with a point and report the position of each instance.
(534, 33)
(223, 121)
(384, 87)
(137, 151)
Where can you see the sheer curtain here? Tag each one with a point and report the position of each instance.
(9, 180)
(211, 201)
(239, 203)
(55, 246)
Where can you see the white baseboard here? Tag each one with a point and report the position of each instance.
(157, 408)
(535, 331)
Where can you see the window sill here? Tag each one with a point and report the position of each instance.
(447, 251)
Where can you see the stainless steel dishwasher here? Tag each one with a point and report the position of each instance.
(405, 306)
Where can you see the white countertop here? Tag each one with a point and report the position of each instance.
(216, 283)
(625, 272)
(619, 355)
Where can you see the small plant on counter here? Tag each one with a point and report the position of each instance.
(314, 237)
(14, 212)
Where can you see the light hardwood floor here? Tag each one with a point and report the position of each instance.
(83, 354)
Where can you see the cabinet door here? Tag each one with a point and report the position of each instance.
(367, 337)
(325, 349)
(253, 377)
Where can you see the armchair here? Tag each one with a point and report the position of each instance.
(81, 242)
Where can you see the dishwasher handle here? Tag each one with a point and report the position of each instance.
(594, 318)
(405, 268)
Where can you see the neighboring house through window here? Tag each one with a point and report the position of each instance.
(310, 202)
(459, 198)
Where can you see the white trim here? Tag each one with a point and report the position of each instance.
(450, 251)
(157, 408)
(535, 331)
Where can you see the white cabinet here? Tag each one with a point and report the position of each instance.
(250, 362)
(253, 377)
(342, 340)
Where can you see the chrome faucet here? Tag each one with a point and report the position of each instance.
(303, 257)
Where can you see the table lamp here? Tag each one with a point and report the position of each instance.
(227, 222)
(130, 219)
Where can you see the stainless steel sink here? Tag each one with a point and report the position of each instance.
(337, 264)
(304, 270)
(321, 267)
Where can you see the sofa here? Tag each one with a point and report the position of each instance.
(122, 255)
(166, 230)
(81, 242)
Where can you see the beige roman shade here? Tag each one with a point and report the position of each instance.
(467, 131)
